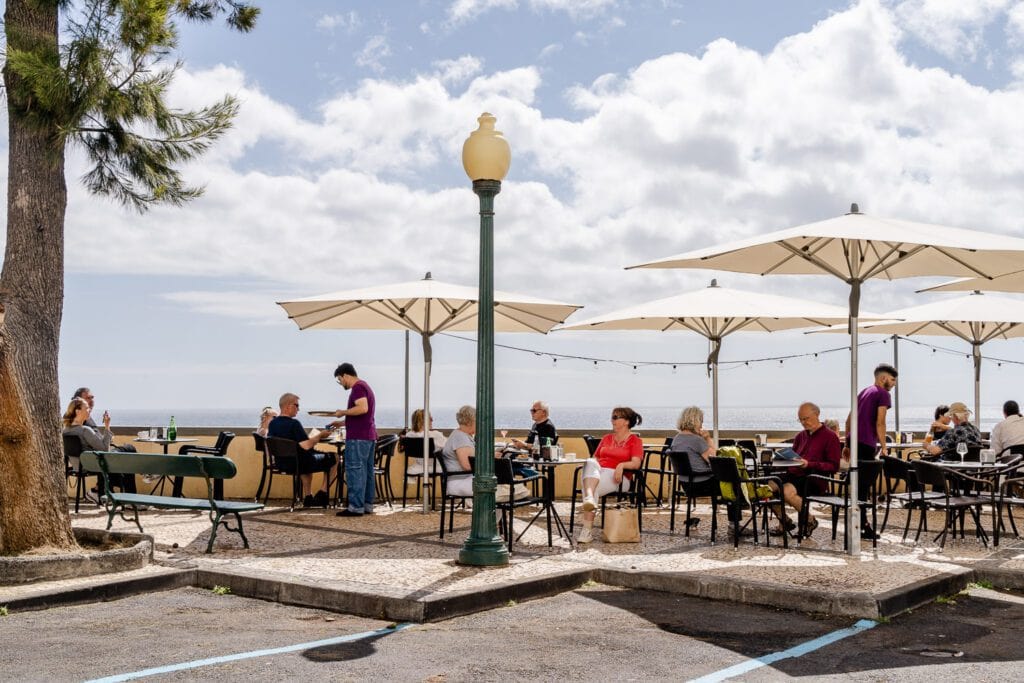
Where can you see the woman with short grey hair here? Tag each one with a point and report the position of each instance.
(457, 451)
(694, 442)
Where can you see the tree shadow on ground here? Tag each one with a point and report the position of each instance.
(345, 652)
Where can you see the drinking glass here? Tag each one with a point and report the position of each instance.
(504, 433)
(961, 449)
(154, 432)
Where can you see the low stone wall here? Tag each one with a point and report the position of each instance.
(137, 552)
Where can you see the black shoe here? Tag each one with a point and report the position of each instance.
(321, 499)
(347, 513)
(307, 502)
(868, 534)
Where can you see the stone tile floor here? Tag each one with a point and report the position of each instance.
(400, 550)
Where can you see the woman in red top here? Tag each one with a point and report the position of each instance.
(608, 470)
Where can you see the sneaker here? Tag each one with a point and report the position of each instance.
(586, 535)
(347, 513)
(307, 502)
(589, 504)
(321, 499)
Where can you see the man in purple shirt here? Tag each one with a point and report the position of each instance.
(360, 441)
(872, 405)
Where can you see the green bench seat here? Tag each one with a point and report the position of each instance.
(207, 467)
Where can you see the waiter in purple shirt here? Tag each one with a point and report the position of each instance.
(360, 441)
(872, 405)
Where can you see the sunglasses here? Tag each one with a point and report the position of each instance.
(536, 410)
(619, 417)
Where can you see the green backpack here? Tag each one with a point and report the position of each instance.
(749, 490)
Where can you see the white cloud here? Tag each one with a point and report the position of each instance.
(346, 21)
(1015, 24)
(454, 71)
(954, 29)
(373, 53)
(464, 11)
(549, 51)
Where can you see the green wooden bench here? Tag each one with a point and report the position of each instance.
(208, 467)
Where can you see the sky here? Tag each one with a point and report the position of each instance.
(638, 129)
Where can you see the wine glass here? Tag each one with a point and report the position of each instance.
(961, 449)
(504, 433)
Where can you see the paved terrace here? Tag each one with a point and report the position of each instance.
(393, 565)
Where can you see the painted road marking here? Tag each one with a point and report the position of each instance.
(797, 651)
(170, 668)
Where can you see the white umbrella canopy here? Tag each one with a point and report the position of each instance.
(716, 312)
(975, 318)
(1011, 282)
(855, 247)
(426, 307)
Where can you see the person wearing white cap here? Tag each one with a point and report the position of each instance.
(963, 430)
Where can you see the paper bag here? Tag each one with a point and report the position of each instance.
(621, 525)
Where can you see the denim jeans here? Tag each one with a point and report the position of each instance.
(359, 474)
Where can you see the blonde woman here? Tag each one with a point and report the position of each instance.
(266, 415)
(416, 464)
(695, 442)
(94, 438)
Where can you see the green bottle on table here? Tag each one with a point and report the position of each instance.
(172, 430)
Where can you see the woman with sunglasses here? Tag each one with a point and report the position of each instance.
(609, 470)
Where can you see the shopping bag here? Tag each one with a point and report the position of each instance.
(621, 525)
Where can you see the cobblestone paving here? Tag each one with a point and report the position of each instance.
(399, 551)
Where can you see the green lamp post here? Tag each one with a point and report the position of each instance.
(486, 158)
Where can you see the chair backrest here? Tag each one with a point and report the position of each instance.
(223, 441)
(950, 455)
(385, 448)
(929, 474)
(1010, 452)
(503, 471)
(412, 446)
(895, 470)
(727, 472)
(260, 441)
(727, 442)
(680, 464)
(868, 472)
(73, 448)
(592, 443)
(282, 451)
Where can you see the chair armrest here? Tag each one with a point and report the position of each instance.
(523, 480)
(205, 450)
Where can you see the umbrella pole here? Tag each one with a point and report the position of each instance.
(853, 511)
(896, 389)
(428, 462)
(406, 414)
(716, 346)
(977, 384)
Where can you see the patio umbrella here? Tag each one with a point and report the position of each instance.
(715, 312)
(975, 318)
(855, 247)
(425, 307)
(1011, 282)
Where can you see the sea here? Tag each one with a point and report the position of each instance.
(770, 418)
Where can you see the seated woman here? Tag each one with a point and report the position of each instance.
(416, 464)
(608, 470)
(695, 444)
(266, 415)
(458, 450)
(93, 438)
(942, 424)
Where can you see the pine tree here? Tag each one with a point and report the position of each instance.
(92, 73)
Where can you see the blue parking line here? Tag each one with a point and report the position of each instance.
(170, 668)
(796, 651)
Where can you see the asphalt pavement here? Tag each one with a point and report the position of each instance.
(593, 633)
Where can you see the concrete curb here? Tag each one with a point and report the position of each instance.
(104, 591)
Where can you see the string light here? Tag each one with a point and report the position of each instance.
(673, 369)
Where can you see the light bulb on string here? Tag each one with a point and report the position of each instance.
(634, 369)
(673, 369)
(595, 366)
(554, 362)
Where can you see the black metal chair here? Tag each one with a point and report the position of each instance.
(897, 471)
(838, 497)
(739, 491)
(634, 496)
(592, 443)
(73, 448)
(954, 502)
(220, 449)
(683, 483)
(663, 471)
(412, 447)
(1010, 489)
(505, 476)
(284, 459)
(447, 498)
(382, 455)
(260, 443)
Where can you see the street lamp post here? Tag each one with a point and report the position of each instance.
(486, 158)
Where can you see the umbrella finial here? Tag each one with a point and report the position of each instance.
(714, 283)
(854, 208)
(427, 276)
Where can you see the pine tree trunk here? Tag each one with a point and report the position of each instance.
(33, 501)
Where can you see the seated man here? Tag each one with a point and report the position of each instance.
(1009, 432)
(963, 431)
(541, 430)
(820, 452)
(285, 426)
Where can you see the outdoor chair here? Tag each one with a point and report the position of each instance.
(838, 498)
(412, 447)
(73, 448)
(284, 459)
(260, 443)
(634, 496)
(897, 471)
(663, 470)
(953, 502)
(382, 455)
(592, 443)
(505, 476)
(450, 500)
(220, 448)
(683, 483)
(739, 491)
(1010, 497)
